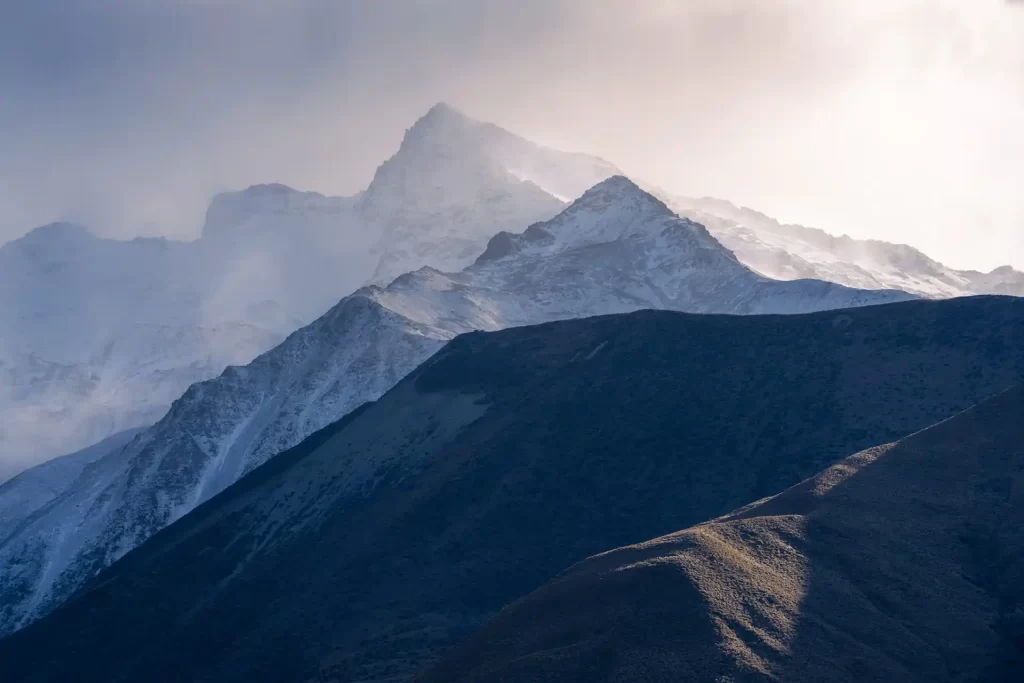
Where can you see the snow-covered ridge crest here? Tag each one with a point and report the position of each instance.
(788, 252)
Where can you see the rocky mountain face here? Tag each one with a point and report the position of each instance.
(37, 487)
(127, 382)
(616, 249)
(269, 259)
(370, 549)
(901, 563)
(456, 182)
(790, 252)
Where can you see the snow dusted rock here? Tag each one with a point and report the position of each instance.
(789, 252)
(213, 434)
(269, 260)
(30, 491)
(126, 383)
(614, 250)
(455, 182)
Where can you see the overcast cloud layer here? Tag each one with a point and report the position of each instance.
(895, 119)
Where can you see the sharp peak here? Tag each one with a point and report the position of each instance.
(617, 188)
(441, 120)
(444, 114)
(442, 109)
(617, 182)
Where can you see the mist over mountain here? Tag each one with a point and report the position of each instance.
(271, 258)
(99, 335)
(895, 120)
(458, 182)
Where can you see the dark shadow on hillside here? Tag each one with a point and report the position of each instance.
(901, 563)
(916, 561)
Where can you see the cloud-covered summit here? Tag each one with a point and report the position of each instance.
(128, 117)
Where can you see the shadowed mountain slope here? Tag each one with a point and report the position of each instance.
(370, 549)
(904, 562)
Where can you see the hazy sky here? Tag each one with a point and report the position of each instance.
(896, 119)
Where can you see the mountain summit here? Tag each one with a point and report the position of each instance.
(458, 182)
(442, 124)
(614, 209)
(624, 194)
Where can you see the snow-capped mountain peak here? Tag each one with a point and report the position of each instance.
(444, 193)
(622, 192)
(607, 211)
(615, 208)
(442, 125)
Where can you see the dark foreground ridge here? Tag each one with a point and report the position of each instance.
(368, 551)
(902, 563)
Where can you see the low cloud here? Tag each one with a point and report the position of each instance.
(899, 120)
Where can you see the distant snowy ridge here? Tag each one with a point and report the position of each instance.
(789, 252)
(616, 249)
